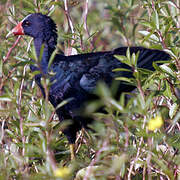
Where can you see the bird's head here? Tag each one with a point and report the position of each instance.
(38, 26)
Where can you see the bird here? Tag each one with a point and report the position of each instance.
(76, 76)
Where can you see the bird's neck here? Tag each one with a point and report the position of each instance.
(47, 51)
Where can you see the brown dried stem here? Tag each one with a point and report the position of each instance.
(71, 27)
(10, 50)
(19, 111)
(88, 172)
(85, 14)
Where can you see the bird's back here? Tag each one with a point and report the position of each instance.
(77, 76)
(85, 70)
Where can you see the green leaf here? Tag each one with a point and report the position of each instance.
(149, 35)
(170, 52)
(122, 99)
(157, 20)
(147, 24)
(176, 118)
(41, 53)
(167, 91)
(172, 110)
(156, 67)
(21, 59)
(123, 59)
(144, 33)
(120, 58)
(167, 70)
(102, 90)
(93, 106)
(136, 74)
(33, 54)
(128, 55)
(64, 103)
(124, 79)
(121, 69)
(135, 58)
(52, 58)
(5, 98)
(171, 3)
(115, 104)
(35, 72)
(22, 63)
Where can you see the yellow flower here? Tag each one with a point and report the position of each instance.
(62, 172)
(155, 123)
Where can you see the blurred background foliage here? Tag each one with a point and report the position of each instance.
(134, 139)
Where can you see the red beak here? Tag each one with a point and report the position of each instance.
(18, 30)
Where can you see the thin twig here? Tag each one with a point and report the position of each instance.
(70, 24)
(88, 172)
(127, 137)
(140, 90)
(162, 39)
(149, 156)
(2, 131)
(50, 158)
(125, 37)
(138, 152)
(50, 153)
(144, 172)
(176, 4)
(135, 160)
(10, 50)
(6, 78)
(85, 14)
(19, 111)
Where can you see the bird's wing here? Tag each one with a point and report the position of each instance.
(107, 62)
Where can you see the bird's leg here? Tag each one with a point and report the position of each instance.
(72, 151)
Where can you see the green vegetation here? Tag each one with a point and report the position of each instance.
(137, 139)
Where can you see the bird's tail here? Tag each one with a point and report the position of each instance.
(146, 56)
(145, 60)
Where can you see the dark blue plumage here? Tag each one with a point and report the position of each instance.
(76, 76)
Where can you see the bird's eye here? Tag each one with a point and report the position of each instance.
(26, 23)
